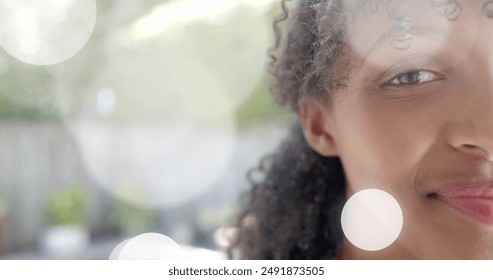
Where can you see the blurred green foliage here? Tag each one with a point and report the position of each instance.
(26, 92)
(147, 78)
(11, 110)
(260, 106)
(130, 218)
(67, 206)
(217, 217)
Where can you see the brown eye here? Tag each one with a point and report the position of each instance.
(412, 78)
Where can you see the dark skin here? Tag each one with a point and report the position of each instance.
(412, 120)
(406, 116)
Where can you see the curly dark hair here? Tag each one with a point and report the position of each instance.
(293, 210)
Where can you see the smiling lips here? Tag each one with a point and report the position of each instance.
(473, 201)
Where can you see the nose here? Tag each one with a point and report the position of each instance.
(475, 138)
(471, 130)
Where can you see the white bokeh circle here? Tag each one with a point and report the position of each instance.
(148, 246)
(372, 219)
(115, 254)
(158, 136)
(46, 32)
(155, 165)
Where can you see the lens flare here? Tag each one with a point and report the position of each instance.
(372, 219)
(45, 32)
(148, 246)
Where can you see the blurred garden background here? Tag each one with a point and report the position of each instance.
(122, 117)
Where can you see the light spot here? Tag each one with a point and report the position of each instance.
(155, 165)
(148, 246)
(106, 100)
(372, 219)
(45, 32)
(158, 149)
(224, 237)
(115, 254)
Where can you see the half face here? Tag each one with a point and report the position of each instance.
(416, 120)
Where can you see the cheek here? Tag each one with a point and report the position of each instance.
(381, 145)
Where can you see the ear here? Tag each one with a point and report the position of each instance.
(317, 127)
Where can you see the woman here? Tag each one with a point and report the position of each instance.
(394, 95)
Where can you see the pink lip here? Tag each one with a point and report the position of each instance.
(473, 201)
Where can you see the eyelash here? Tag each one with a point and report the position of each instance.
(396, 80)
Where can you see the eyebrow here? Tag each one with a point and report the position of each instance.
(421, 31)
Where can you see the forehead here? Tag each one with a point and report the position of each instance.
(428, 24)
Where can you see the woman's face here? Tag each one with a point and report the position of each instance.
(416, 120)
